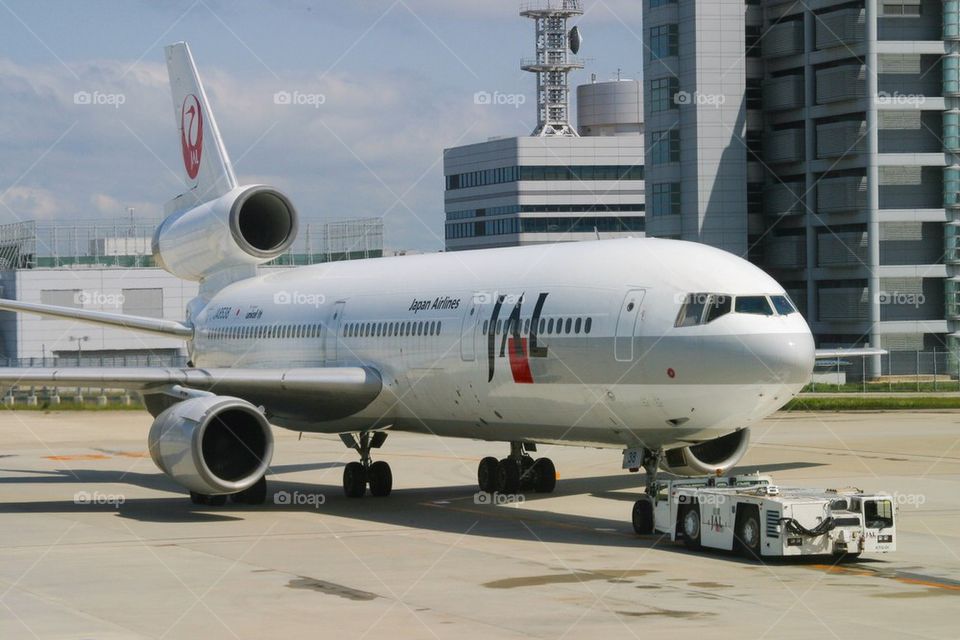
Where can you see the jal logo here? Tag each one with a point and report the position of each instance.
(191, 135)
(515, 346)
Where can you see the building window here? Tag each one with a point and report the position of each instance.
(663, 41)
(752, 37)
(661, 3)
(664, 147)
(665, 199)
(755, 197)
(545, 172)
(662, 92)
(754, 93)
(754, 143)
(900, 8)
(143, 302)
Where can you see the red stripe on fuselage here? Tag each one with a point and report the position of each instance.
(519, 362)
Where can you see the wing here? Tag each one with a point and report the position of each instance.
(102, 318)
(327, 393)
(842, 353)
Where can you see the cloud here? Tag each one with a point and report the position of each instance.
(29, 203)
(95, 144)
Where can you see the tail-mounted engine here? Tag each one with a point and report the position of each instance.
(245, 227)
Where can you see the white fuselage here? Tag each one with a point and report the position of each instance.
(594, 358)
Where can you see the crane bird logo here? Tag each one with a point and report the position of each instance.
(191, 134)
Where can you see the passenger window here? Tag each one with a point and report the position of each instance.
(543, 325)
(783, 305)
(691, 313)
(550, 326)
(566, 328)
(587, 325)
(438, 327)
(499, 326)
(486, 326)
(756, 305)
(526, 327)
(719, 305)
(576, 326)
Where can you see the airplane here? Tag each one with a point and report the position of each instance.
(668, 350)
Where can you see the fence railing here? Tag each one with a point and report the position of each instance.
(917, 371)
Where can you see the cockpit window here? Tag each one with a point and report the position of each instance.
(719, 305)
(701, 308)
(691, 313)
(783, 305)
(757, 305)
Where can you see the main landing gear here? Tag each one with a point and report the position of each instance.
(517, 472)
(643, 521)
(357, 475)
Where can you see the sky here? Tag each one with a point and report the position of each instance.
(379, 88)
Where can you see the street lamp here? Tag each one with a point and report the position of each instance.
(79, 340)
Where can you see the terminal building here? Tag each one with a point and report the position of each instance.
(819, 139)
(560, 183)
(108, 266)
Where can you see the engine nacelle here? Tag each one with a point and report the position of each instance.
(248, 226)
(708, 458)
(212, 445)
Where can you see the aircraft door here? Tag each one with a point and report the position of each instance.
(332, 333)
(627, 324)
(468, 332)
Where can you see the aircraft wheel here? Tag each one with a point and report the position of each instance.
(487, 474)
(508, 476)
(528, 477)
(545, 476)
(354, 480)
(380, 478)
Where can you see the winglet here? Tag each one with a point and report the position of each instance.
(206, 166)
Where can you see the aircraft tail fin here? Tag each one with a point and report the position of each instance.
(207, 171)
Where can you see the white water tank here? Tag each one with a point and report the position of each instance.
(612, 108)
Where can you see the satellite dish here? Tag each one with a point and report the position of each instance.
(575, 40)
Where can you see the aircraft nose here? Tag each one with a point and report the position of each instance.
(784, 358)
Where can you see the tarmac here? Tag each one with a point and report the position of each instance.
(96, 543)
